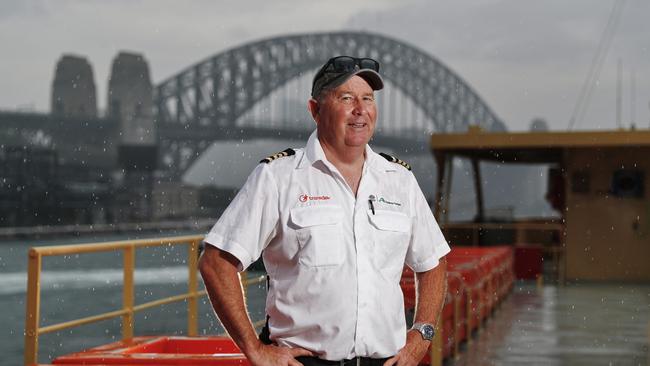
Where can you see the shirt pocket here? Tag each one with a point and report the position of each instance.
(319, 234)
(392, 232)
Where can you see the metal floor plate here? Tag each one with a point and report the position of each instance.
(585, 324)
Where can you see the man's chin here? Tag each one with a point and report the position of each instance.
(357, 142)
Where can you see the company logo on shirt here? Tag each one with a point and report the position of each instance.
(306, 197)
(383, 200)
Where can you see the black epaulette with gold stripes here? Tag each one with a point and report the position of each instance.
(395, 160)
(281, 154)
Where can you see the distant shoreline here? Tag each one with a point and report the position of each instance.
(37, 232)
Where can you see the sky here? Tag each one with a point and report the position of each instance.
(526, 59)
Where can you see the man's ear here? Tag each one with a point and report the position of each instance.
(313, 106)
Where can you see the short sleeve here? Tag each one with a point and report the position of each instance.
(427, 244)
(250, 222)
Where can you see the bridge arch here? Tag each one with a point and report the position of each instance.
(202, 103)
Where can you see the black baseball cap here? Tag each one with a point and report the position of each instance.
(337, 70)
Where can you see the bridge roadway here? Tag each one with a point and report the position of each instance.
(93, 141)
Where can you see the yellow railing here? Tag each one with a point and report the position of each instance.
(32, 315)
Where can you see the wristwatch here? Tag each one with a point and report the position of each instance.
(426, 330)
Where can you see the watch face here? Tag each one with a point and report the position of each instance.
(427, 331)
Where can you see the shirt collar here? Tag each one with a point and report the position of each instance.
(314, 152)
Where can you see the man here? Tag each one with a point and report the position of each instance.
(334, 222)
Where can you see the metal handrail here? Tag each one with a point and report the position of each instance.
(35, 257)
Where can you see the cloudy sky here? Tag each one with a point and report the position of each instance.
(527, 59)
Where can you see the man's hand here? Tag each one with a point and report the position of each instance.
(412, 352)
(270, 355)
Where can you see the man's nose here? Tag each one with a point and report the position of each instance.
(359, 107)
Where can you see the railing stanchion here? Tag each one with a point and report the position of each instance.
(128, 247)
(128, 292)
(192, 302)
(435, 349)
(33, 307)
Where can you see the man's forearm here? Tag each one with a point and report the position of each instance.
(220, 275)
(431, 291)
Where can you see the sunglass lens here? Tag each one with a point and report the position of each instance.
(343, 64)
(368, 63)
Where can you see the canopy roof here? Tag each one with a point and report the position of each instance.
(532, 147)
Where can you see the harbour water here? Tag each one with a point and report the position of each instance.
(89, 284)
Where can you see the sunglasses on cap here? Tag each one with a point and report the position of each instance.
(348, 63)
(337, 69)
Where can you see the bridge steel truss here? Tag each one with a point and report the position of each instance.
(202, 104)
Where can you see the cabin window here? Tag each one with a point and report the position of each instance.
(628, 183)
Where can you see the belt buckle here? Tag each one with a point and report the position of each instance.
(357, 363)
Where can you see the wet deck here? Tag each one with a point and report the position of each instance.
(585, 324)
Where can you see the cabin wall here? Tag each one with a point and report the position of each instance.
(607, 224)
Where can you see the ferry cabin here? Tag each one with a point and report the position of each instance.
(597, 181)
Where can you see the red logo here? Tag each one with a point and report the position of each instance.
(304, 198)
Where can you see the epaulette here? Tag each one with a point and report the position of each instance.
(281, 154)
(395, 160)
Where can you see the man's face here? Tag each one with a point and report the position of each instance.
(346, 116)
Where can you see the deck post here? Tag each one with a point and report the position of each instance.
(128, 292)
(435, 349)
(192, 287)
(33, 307)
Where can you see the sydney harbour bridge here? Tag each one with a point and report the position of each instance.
(204, 102)
(226, 97)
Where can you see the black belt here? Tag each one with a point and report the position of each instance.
(357, 361)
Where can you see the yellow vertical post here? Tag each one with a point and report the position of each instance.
(128, 292)
(33, 307)
(192, 303)
(435, 350)
(519, 235)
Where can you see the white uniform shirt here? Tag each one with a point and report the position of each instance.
(334, 265)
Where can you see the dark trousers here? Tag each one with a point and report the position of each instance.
(315, 361)
(360, 361)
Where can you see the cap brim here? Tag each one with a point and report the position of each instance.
(370, 76)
